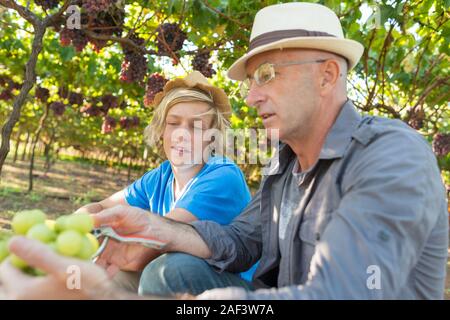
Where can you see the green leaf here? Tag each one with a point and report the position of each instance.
(67, 53)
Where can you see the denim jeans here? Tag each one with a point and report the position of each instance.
(174, 273)
(127, 280)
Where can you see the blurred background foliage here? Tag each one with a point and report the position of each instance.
(93, 88)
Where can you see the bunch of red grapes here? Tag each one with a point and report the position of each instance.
(101, 17)
(109, 102)
(107, 23)
(93, 7)
(170, 39)
(417, 119)
(42, 94)
(127, 123)
(109, 123)
(9, 85)
(155, 84)
(201, 63)
(75, 98)
(47, 4)
(441, 144)
(91, 109)
(134, 66)
(58, 108)
(75, 37)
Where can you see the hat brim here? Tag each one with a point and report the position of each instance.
(218, 95)
(350, 49)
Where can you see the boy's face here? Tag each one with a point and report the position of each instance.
(184, 122)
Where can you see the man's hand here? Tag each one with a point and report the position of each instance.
(122, 256)
(124, 219)
(132, 220)
(14, 284)
(127, 257)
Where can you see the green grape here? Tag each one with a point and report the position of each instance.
(4, 252)
(17, 262)
(87, 249)
(69, 243)
(24, 220)
(60, 224)
(42, 233)
(93, 240)
(51, 224)
(81, 222)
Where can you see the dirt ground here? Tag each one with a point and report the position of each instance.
(67, 186)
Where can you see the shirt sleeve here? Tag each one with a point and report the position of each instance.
(137, 193)
(237, 246)
(393, 197)
(219, 195)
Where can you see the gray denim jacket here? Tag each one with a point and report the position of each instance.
(371, 222)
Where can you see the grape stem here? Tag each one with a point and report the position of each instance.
(125, 41)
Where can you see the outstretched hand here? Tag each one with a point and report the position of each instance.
(67, 278)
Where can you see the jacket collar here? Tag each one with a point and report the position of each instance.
(340, 135)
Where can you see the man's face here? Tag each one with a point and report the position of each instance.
(289, 101)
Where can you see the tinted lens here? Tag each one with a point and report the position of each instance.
(264, 74)
(244, 88)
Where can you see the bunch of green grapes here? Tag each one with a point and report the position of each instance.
(68, 235)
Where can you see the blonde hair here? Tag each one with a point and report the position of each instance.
(154, 131)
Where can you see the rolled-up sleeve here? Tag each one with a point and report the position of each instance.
(393, 197)
(237, 246)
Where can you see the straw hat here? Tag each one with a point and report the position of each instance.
(196, 80)
(297, 25)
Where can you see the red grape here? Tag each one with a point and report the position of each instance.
(201, 63)
(155, 84)
(170, 39)
(441, 144)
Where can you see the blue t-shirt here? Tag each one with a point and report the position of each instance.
(218, 193)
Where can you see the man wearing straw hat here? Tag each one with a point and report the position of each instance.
(355, 208)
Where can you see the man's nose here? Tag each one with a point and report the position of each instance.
(255, 95)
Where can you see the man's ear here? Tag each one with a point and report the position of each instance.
(330, 74)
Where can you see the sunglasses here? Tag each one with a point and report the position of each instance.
(266, 72)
